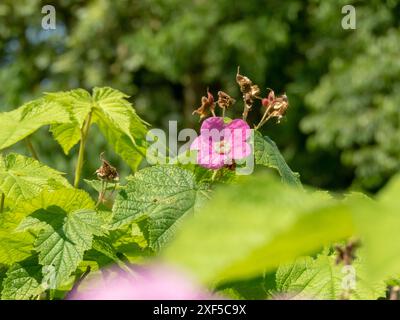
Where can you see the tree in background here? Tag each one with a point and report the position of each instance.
(341, 83)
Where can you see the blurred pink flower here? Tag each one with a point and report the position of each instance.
(155, 282)
(220, 143)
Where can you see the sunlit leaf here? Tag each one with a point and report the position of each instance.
(254, 226)
(161, 195)
(22, 178)
(267, 154)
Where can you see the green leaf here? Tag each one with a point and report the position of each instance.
(130, 242)
(23, 280)
(101, 244)
(120, 124)
(20, 123)
(65, 221)
(112, 105)
(378, 224)
(322, 279)
(14, 246)
(78, 103)
(257, 225)
(161, 195)
(22, 178)
(131, 153)
(267, 154)
(112, 113)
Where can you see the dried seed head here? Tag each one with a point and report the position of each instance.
(279, 107)
(255, 91)
(225, 100)
(107, 172)
(207, 105)
(249, 90)
(276, 106)
(346, 253)
(244, 83)
(247, 86)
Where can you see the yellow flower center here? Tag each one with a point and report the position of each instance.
(222, 147)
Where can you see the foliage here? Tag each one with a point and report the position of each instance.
(232, 232)
(264, 236)
(342, 83)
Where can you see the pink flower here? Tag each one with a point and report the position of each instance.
(155, 282)
(220, 143)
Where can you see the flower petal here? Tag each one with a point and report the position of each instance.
(240, 149)
(238, 124)
(212, 123)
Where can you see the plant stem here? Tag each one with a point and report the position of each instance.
(246, 111)
(84, 134)
(264, 118)
(214, 175)
(3, 197)
(102, 193)
(223, 113)
(31, 148)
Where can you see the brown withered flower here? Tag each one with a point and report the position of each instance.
(107, 172)
(225, 100)
(276, 106)
(249, 90)
(243, 82)
(346, 253)
(207, 105)
(279, 107)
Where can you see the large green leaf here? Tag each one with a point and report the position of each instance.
(161, 195)
(78, 103)
(20, 123)
(112, 105)
(22, 178)
(378, 224)
(131, 153)
(65, 222)
(256, 225)
(23, 280)
(266, 153)
(113, 114)
(14, 246)
(321, 278)
(120, 124)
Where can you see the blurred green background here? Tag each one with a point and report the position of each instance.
(343, 126)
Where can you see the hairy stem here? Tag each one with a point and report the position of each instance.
(102, 193)
(214, 175)
(264, 118)
(246, 111)
(31, 149)
(3, 197)
(84, 134)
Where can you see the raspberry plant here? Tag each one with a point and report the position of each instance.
(233, 233)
